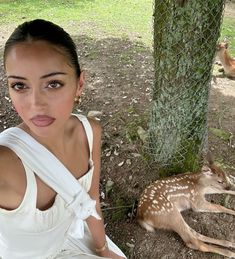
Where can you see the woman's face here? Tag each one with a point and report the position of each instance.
(42, 85)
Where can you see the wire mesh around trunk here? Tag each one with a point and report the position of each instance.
(185, 38)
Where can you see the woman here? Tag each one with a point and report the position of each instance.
(50, 163)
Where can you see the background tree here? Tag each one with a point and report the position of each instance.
(185, 38)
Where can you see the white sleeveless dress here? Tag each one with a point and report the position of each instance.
(29, 233)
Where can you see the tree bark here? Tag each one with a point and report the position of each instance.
(185, 38)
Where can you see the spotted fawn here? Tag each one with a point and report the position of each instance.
(161, 203)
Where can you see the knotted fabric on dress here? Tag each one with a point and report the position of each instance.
(49, 168)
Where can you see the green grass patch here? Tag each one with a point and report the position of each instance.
(228, 32)
(224, 135)
(126, 18)
(96, 18)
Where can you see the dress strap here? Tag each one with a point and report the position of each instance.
(88, 129)
(31, 187)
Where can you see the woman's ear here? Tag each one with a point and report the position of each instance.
(80, 84)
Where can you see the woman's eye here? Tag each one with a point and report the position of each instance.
(18, 86)
(55, 84)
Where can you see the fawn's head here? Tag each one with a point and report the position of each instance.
(222, 46)
(215, 177)
(226, 181)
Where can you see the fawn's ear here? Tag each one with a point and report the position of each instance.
(226, 45)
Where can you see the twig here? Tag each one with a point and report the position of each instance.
(118, 207)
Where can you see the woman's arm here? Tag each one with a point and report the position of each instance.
(96, 227)
(12, 179)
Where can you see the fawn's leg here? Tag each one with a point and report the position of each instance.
(202, 205)
(214, 241)
(178, 224)
(227, 192)
(192, 238)
(214, 249)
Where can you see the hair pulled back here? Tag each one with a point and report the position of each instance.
(46, 31)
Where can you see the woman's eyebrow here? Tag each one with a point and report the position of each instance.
(16, 77)
(53, 74)
(42, 77)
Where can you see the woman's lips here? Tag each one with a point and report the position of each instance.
(42, 120)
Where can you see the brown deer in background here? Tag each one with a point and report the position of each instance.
(226, 60)
(161, 204)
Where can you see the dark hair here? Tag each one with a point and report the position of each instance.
(47, 31)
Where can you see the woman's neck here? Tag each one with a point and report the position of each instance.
(55, 143)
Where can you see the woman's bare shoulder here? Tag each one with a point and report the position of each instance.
(78, 132)
(8, 162)
(96, 127)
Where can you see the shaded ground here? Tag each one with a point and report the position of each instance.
(119, 78)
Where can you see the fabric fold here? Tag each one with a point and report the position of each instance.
(76, 230)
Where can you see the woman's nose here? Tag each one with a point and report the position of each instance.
(38, 98)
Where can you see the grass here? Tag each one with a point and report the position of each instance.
(228, 32)
(95, 18)
(125, 18)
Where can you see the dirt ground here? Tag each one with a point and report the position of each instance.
(119, 75)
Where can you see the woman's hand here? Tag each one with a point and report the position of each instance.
(110, 254)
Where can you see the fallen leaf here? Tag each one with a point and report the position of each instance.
(128, 162)
(94, 113)
(108, 153)
(142, 133)
(109, 186)
(121, 163)
(220, 133)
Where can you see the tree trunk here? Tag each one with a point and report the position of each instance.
(185, 38)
